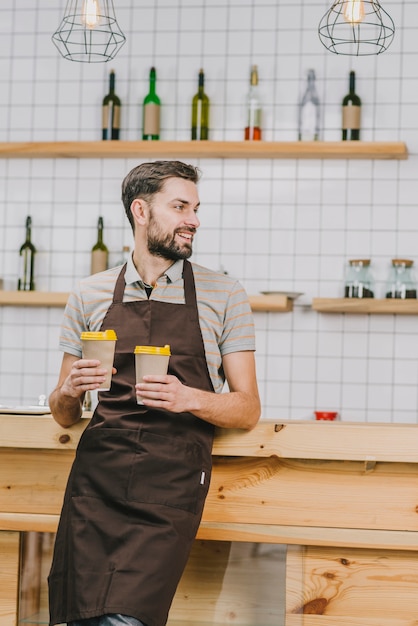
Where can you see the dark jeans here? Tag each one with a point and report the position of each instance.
(113, 619)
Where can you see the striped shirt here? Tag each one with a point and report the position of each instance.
(224, 311)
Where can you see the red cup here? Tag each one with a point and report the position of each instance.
(329, 416)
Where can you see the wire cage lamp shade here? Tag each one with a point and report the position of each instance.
(89, 32)
(356, 28)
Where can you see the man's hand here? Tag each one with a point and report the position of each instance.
(165, 392)
(76, 377)
(85, 375)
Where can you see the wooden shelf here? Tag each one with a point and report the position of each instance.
(205, 149)
(33, 298)
(366, 305)
(274, 303)
(259, 303)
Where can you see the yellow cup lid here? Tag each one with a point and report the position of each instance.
(105, 335)
(162, 350)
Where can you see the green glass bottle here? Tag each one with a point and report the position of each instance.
(151, 111)
(200, 111)
(27, 266)
(111, 112)
(99, 252)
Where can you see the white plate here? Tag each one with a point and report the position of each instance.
(292, 295)
(25, 410)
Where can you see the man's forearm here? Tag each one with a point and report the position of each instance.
(66, 410)
(236, 409)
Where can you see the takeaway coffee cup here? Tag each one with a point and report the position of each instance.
(150, 360)
(101, 346)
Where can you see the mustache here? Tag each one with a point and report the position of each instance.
(186, 229)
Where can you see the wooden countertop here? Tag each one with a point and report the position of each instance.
(283, 438)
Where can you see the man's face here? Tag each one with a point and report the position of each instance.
(173, 220)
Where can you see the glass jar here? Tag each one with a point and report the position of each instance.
(359, 281)
(401, 282)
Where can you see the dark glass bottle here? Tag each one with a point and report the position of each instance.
(151, 110)
(111, 111)
(351, 110)
(27, 264)
(99, 252)
(253, 128)
(200, 111)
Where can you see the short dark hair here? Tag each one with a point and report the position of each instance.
(147, 179)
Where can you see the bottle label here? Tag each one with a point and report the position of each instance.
(110, 117)
(151, 119)
(351, 117)
(199, 119)
(98, 261)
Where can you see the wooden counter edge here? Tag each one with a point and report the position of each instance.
(354, 441)
(258, 533)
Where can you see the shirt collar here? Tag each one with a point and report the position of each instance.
(173, 273)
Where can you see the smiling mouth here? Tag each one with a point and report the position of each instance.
(186, 236)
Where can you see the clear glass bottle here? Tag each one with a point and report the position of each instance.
(253, 130)
(359, 282)
(308, 119)
(401, 281)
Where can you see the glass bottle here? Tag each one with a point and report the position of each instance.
(111, 111)
(359, 281)
(99, 252)
(351, 112)
(27, 260)
(126, 253)
(200, 111)
(151, 110)
(401, 281)
(308, 119)
(253, 128)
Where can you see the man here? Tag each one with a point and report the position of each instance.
(137, 487)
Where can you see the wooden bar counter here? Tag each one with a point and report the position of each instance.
(343, 498)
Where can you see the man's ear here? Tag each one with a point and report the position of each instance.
(139, 211)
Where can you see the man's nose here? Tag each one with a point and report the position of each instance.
(193, 220)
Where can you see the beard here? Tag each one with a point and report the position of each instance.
(165, 245)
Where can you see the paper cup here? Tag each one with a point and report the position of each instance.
(100, 346)
(150, 360)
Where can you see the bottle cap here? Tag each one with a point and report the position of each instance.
(364, 262)
(105, 335)
(402, 262)
(162, 350)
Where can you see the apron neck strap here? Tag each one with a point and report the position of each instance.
(188, 278)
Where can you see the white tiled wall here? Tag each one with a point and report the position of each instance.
(275, 224)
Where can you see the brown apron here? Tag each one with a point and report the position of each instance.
(137, 488)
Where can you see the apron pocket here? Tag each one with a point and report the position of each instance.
(101, 467)
(168, 471)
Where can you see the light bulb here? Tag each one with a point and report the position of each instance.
(91, 13)
(354, 11)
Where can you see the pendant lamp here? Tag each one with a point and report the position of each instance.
(356, 28)
(89, 32)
